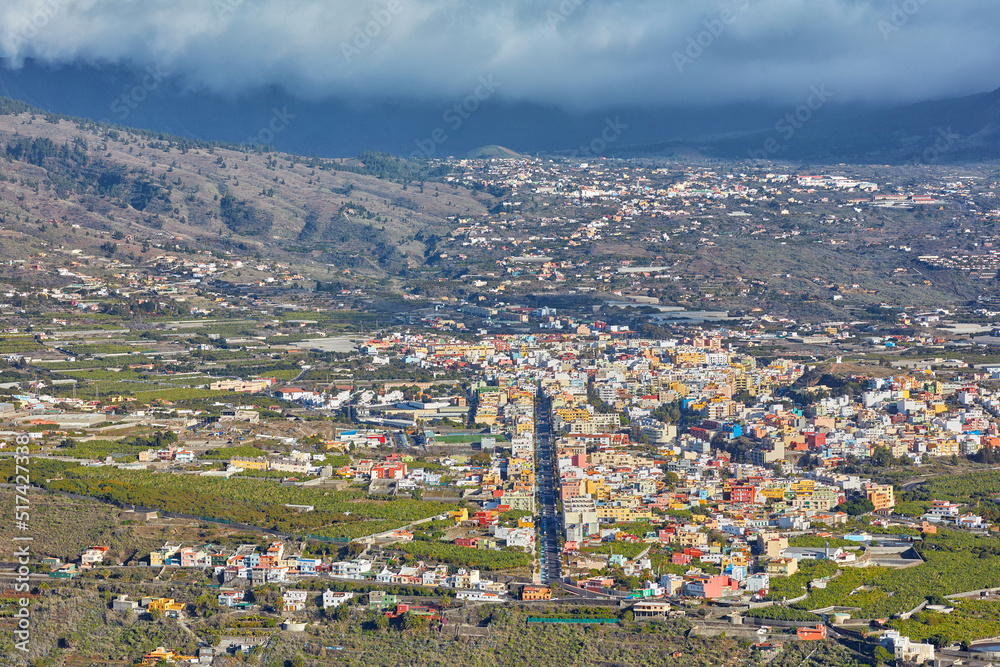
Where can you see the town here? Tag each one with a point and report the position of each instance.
(607, 401)
(690, 475)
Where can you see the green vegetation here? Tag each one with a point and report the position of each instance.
(778, 613)
(584, 612)
(257, 502)
(955, 562)
(176, 395)
(61, 366)
(856, 507)
(783, 588)
(912, 508)
(244, 218)
(514, 642)
(100, 449)
(19, 344)
(82, 349)
(122, 450)
(226, 453)
(971, 620)
(965, 488)
(465, 556)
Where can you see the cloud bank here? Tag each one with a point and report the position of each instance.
(575, 54)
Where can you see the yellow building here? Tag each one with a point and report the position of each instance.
(459, 515)
(161, 654)
(247, 463)
(536, 593)
(595, 487)
(782, 567)
(689, 358)
(774, 492)
(165, 606)
(622, 514)
(486, 414)
(946, 448)
(803, 488)
(524, 426)
(573, 414)
(686, 538)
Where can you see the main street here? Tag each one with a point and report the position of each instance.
(548, 513)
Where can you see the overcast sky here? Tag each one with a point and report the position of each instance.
(577, 54)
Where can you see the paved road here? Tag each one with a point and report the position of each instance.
(909, 486)
(547, 510)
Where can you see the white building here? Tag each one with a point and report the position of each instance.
(903, 650)
(942, 509)
(307, 566)
(335, 599)
(230, 598)
(480, 596)
(515, 537)
(354, 569)
(758, 583)
(294, 600)
(972, 521)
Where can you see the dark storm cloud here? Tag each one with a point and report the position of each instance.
(572, 53)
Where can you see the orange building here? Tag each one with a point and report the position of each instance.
(881, 496)
(161, 655)
(536, 593)
(812, 634)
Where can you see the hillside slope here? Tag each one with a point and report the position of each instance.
(140, 189)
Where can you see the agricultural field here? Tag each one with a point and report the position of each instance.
(254, 501)
(444, 552)
(19, 344)
(121, 451)
(966, 488)
(971, 620)
(792, 587)
(955, 562)
(226, 453)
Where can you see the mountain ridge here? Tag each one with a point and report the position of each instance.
(935, 131)
(128, 193)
